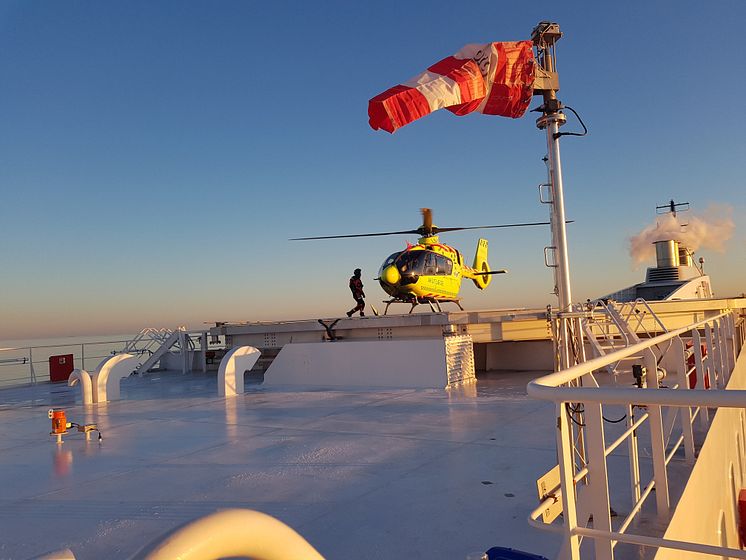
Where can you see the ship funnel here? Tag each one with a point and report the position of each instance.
(667, 253)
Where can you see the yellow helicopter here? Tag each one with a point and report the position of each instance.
(430, 272)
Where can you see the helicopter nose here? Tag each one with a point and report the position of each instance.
(391, 275)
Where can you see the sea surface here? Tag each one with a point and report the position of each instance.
(25, 361)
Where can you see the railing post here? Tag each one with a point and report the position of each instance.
(685, 412)
(82, 356)
(703, 376)
(722, 360)
(31, 366)
(732, 344)
(580, 338)
(203, 351)
(184, 350)
(634, 458)
(565, 454)
(599, 478)
(657, 437)
(712, 367)
(717, 358)
(725, 345)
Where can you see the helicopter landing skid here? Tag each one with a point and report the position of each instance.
(433, 303)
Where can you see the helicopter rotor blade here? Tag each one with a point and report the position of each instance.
(524, 224)
(422, 230)
(357, 235)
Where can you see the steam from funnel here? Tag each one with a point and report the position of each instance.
(709, 231)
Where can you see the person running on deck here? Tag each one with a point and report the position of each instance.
(356, 287)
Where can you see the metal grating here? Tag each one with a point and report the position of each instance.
(660, 274)
(459, 359)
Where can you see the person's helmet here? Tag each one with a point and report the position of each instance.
(357, 272)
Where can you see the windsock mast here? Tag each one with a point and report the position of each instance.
(544, 37)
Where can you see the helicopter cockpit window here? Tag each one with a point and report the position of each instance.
(411, 262)
(445, 266)
(389, 261)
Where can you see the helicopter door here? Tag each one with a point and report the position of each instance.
(445, 266)
(430, 267)
(410, 264)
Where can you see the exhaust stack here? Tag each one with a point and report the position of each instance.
(673, 263)
(667, 253)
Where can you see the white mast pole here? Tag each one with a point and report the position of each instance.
(544, 36)
(569, 447)
(559, 232)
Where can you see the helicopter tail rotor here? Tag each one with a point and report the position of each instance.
(480, 279)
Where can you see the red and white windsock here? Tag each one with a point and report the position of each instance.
(495, 79)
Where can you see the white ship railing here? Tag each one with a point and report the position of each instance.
(23, 365)
(580, 401)
(30, 364)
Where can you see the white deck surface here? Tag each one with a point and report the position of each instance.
(378, 474)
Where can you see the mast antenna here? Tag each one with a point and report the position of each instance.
(672, 207)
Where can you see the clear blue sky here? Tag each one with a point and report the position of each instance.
(156, 156)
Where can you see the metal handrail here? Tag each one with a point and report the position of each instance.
(549, 387)
(644, 303)
(79, 350)
(552, 387)
(64, 345)
(30, 361)
(14, 361)
(611, 318)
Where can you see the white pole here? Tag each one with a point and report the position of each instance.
(551, 121)
(566, 462)
(559, 231)
(544, 36)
